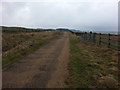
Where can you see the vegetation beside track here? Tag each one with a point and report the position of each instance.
(18, 45)
(91, 65)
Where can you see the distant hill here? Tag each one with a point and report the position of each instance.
(22, 29)
(75, 31)
(45, 29)
(63, 29)
(18, 29)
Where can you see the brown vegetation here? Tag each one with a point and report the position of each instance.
(16, 45)
(92, 65)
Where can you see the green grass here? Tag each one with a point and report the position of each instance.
(78, 67)
(88, 63)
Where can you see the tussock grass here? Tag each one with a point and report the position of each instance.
(92, 66)
(17, 45)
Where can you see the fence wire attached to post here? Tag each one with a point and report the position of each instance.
(101, 39)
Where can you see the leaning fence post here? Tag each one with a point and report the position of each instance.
(99, 38)
(109, 40)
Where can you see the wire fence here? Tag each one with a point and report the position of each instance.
(109, 40)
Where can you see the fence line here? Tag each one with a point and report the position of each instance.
(101, 39)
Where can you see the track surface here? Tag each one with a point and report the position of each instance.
(45, 68)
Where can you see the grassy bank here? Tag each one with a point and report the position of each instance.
(91, 66)
(18, 45)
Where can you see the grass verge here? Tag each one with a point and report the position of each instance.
(27, 47)
(91, 66)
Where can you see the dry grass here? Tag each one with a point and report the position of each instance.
(11, 40)
(92, 66)
(17, 45)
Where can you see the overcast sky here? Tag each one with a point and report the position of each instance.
(74, 14)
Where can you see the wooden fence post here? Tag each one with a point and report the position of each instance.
(85, 36)
(94, 37)
(99, 38)
(82, 36)
(109, 40)
(90, 37)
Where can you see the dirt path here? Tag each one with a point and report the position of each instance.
(45, 68)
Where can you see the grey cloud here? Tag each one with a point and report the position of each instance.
(53, 15)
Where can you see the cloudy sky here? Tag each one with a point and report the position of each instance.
(76, 14)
